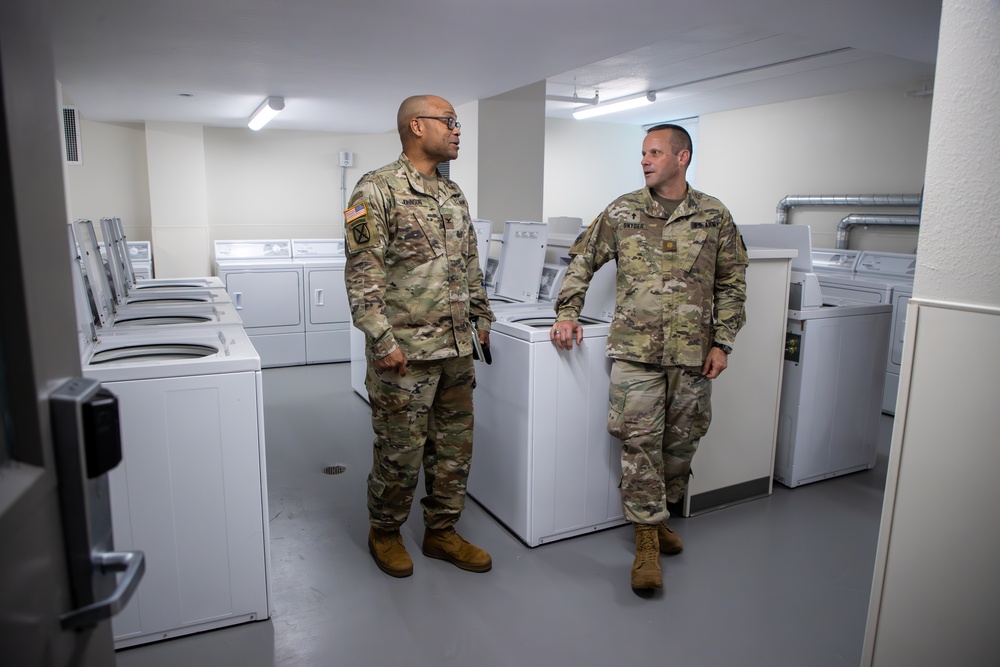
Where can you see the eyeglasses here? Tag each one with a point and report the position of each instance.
(447, 120)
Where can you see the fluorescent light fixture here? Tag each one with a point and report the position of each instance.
(268, 109)
(612, 107)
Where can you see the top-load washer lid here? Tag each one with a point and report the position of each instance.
(522, 257)
(797, 237)
(122, 256)
(599, 304)
(97, 276)
(552, 277)
(319, 252)
(484, 234)
(95, 311)
(839, 260)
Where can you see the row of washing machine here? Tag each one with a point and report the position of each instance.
(190, 492)
(291, 296)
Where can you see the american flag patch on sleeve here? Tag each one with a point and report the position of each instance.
(352, 214)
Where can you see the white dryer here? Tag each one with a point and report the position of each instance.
(266, 286)
(191, 489)
(328, 320)
(545, 465)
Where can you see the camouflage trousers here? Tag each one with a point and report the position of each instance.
(660, 413)
(433, 399)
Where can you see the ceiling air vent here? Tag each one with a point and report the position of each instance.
(71, 135)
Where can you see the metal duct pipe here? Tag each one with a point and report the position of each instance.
(842, 200)
(844, 228)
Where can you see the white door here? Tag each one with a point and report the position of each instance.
(39, 353)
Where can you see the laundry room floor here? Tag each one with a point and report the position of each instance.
(783, 580)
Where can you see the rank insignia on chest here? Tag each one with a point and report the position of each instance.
(670, 246)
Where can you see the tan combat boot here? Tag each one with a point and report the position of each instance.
(386, 547)
(646, 567)
(670, 542)
(448, 545)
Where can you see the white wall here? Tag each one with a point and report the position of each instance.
(512, 155)
(465, 170)
(113, 179)
(936, 590)
(861, 142)
(864, 142)
(285, 183)
(587, 165)
(961, 242)
(178, 199)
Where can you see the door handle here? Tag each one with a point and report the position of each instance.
(238, 300)
(319, 296)
(133, 564)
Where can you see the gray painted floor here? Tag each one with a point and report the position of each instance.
(783, 580)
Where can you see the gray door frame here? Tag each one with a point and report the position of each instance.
(39, 351)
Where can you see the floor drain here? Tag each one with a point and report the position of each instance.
(334, 470)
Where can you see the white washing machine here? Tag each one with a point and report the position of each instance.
(191, 490)
(328, 319)
(875, 277)
(545, 465)
(131, 263)
(833, 377)
(266, 286)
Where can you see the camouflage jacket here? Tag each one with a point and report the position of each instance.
(681, 280)
(413, 276)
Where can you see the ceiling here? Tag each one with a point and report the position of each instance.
(345, 66)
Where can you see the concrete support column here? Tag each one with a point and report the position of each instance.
(178, 199)
(512, 155)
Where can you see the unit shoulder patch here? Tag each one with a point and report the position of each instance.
(358, 232)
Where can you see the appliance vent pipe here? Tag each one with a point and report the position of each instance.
(844, 228)
(842, 200)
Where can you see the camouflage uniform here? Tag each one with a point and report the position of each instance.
(681, 287)
(414, 282)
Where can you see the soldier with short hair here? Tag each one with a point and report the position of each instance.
(416, 291)
(680, 293)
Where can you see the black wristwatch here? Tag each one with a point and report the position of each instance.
(724, 348)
